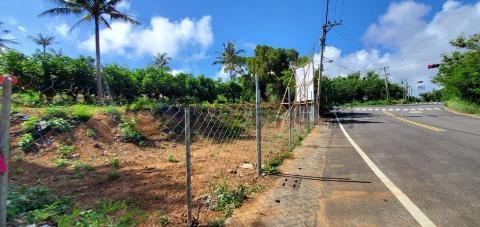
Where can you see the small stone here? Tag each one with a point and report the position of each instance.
(246, 166)
(76, 155)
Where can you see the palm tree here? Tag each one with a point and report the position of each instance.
(43, 41)
(88, 10)
(161, 60)
(5, 41)
(230, 59)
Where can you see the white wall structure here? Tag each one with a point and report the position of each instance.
(304, 83)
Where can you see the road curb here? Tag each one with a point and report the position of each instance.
(464, 114)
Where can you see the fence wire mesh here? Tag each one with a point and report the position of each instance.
(137, 153)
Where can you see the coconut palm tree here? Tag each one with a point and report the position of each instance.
(5, 41)
(230, 59)
(43, 41)
(161, 60)
(89, 10)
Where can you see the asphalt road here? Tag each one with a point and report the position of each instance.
(430, 154)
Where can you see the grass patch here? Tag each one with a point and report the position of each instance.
(60, 125)
(114, 163)
(113, 176)
(61, 162)
(271, 166)
(81, 112)
(65, 151)
(30, 124)
(463, 106)
(55, 112)
(129, 133)
(113, 112)
(81, 166)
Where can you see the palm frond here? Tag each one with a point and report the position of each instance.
(60, 11)
(102, 19)
(115, 15)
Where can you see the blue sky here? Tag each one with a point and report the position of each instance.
(406, 35)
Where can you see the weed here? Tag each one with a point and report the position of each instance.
(30, 124)
(271, 166)
(65, 151)
(81, 112)
(114, 163)
(61, 162)
(26, 142)
(170, 158)
(128, 132)
(143, 103)
(17, 157)
(81, 166)
(50, 211)
(23, 199)
(55, 112)
(163, 220)
(110, 206)
(112, 176)
(91, 133)
(20, 170)
(228, 199)
(60, 125)
(27, 98)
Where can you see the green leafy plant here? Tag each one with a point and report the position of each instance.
(60, 125)
(55, 112)
(170, 158)
(81, 112)
(91, 133)
(163, 220)
(61, 162)
(271, 166)
(26, 142)
(65, 151)
(20, 170)
(22, 199)
(128, 133)
(114, 163)
(81, 166)
(229, 198)
(30, 124)
(114, 175)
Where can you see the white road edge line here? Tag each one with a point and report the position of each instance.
(417, 214)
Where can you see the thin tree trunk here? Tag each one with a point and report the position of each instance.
(5, 147)
(44, 49)
(97, 52)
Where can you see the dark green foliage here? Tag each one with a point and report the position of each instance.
(81, 112)
(459, 72)
(114, 175)
(25, 199)
(432, 96)
(129, 133)
(30, 124)
(60, 125)
(26, 142)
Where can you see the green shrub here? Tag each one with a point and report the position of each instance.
(65, 151)
(91, 133)
(170, 158)
(81, 112)
(163, 220)
(26, 142)
(113, 112)
(61, 162)
(114, 163)
(27, 98)
(128, 133)
(229, 198)
(55, 112)
(81, 166)
(51, 211)
(20, 170)
(143, 103)
(23, 199)
(112, 176)
(30, 124)
(60, 125)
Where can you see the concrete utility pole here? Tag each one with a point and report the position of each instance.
(385, 70)
(325, 28)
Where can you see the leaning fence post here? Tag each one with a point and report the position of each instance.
(258, 126)
(5, 146)
(187, 163)
(289, 121)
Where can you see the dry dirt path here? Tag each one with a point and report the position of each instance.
(326, 183)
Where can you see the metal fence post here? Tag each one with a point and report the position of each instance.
(289, 121)
(5, 146)
(258, 125)
(188, 167)
(308, 116)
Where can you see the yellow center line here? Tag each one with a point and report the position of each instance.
(414, 122)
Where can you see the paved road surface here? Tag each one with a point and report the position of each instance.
(438, 170)
(428, 157)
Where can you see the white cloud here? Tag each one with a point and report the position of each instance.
(62, 29)
(22, 29)
(411, 40)
(177, 71)
(162, 36)
(222, 75)
(123, 5)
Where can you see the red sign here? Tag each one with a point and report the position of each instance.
(12, 79)
(3, 164)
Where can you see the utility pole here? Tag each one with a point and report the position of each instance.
(325, 29)
(385, 70)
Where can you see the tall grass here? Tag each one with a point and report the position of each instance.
(463, 106)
